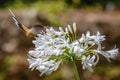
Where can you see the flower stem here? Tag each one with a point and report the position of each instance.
(76, 71)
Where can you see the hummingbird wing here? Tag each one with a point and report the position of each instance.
(18, 24)
(28, 32)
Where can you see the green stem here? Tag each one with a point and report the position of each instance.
(76, 71)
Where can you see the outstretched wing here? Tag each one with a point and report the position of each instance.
(18, 24)
(28, 32)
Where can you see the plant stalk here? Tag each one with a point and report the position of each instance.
(76, 71)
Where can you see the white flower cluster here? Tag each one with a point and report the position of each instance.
(50, 43)
(53, 47)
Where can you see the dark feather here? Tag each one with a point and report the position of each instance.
(38, 29)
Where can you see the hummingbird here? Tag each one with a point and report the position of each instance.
(29, 32)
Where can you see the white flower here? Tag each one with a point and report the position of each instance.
(52, 32)
(86, 40)
(43, 65)
(48, 67)
(109, 54)
(76, 48)
(78, 51)
(51, 43)
(98, 37)
(52, 47)
(92, 40)
(35, 53)
(88, 62)
(35, 62)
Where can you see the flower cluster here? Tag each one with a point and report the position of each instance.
(53, 47)
(47, 45)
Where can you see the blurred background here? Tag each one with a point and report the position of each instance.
(92, 15)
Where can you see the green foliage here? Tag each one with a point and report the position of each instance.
(50, 9)
(5, 3)
(75, 3)
(83, 3)
(8, 60)
(6, 63)
(110, 71)
(2, 75)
